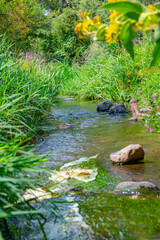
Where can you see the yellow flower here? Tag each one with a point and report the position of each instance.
(82, 28)
(113, 16)
(113, 1)
(139, 25)
(96, 19)
(151, 7)
(84, 14)
(111, 35)
(86, 24)
(78, 28)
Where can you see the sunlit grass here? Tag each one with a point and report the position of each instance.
(27, 92)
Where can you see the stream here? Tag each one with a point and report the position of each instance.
(86, 205)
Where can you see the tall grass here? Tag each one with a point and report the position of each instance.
(110, 73)
(27, 92)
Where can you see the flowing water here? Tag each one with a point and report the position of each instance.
(88, 206)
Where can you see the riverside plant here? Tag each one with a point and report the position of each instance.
(25, 99)
(31, 56)
(126, 19)
(152, 120)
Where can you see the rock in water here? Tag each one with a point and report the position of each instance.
(69, 99)
(104, 106)
(145, 110)
(64, 125)
(118, 109)
(133, 119)
(131, 153)
(132, 185)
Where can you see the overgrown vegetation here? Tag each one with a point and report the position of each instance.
(28, 89)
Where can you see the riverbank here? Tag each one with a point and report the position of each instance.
(27, 92)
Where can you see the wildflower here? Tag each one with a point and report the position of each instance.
(133, 100)
(113, 17)
(158, 107)
(139, 25)
(153, 95)
(78, 27)
(113, 1)
(149, 129)
(87, 23)
(134, 106)
(151, 7)
(111, 35)
(96, 19)
(84, 14)
(134, 114)
(155, 102)
(138, 91)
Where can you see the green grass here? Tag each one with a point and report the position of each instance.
(110, 73)
(27, 92)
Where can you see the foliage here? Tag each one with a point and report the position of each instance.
(126, 19)
(21, 21)
(60, 42)
(28, 89)
(107, 73)
(63, 42)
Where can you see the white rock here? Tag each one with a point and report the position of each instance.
(131, 153)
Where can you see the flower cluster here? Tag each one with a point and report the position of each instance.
(33, 56)
(134, 107)
(113, 31)
(88, 25)
(113, 1)
(149, 128)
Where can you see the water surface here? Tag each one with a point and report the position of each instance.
(91, 210)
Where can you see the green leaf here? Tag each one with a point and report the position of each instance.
(127, 36)
(157, 6)
(132, 15)
(126, 6)
(157, 32)
(101, 32)
(156, 50)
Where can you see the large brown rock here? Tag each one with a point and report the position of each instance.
(131, 153)
(132, 185)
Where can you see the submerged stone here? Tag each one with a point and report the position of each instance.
(131, 153)
(145, 110)
(78, 173)
(69, 99)
(133, 185)
(133, 119)
(104, 106)
(64, 125)
(37, 194)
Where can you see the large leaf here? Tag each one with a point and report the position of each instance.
(132, 15)
(127, 36)
(156, 50)
(101, 32)
(157, 32)
(157, 6)
(126, 6)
